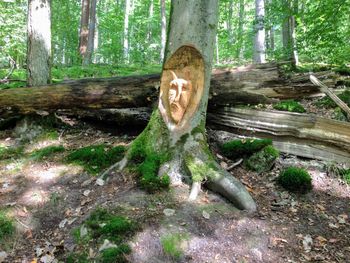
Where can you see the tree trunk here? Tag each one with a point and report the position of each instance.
(176, 131)
(163, 29)
(84, 28)
(253, 84)
(288, 32)
(229, 23)
(126, 31)
(294, 133)
(91, 35)
(39, 42)
(259, 43)
(240, 30)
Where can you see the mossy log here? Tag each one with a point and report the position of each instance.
(295, 133)
(252, 84)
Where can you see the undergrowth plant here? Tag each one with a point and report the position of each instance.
(289, 105)
(173, 244)
(102, 225)
(295, 179)
(6, 226)
(95, 158)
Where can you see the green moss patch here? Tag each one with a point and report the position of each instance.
(95, 158)
(263, 160)
(295, 179)
(289, 105)
(11, 152)
(115, 254)
(241, 148)
(6, 226)
(148, 158)
(46, 152)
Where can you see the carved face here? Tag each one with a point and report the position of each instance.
(179, 97)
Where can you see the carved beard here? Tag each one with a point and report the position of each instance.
(179, 97)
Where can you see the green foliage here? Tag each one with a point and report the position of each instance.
(295, 179)
(95, 158)
(289, 105)
(115, 254)
(329, 103)
(245, 147)
(172, 244)
(11, 152)
(263, 160)
(6, 226)
(46, 152)
(77, 258)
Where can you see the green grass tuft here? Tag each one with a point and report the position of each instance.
(263, 160)
(46, 152)
(97, 157)
(289, 105)
(6, 226)
(240, 148)
(172, 244)
(116, 254)
(295, 179)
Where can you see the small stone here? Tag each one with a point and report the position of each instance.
(168, 212)
(87, 182)
(106, 244)
(86, 193)
(307, 243)
(83, 231)
(205, 214)
(100, 182)
(63, 223)
(47, 259)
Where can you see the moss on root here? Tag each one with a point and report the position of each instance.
(200, 170)
(150, 150)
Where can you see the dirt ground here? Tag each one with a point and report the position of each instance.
(48, 199)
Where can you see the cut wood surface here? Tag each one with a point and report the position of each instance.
(250, 84)
(294, 133)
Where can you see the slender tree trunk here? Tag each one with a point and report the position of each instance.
(126, 31)
(39, 42)
(176, 131)
(163, 29)
(150, 12)
(288, 32)
(229, 23)
(259, 43)
(91, 33)
(240, 30)
(84, 28)
(272, 38)
(217, 49)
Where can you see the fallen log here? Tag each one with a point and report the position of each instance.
(251, 84)
(294, 133)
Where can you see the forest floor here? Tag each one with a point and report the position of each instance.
(49, 199)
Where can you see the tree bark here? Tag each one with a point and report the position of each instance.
(252, 84)
(240, 30)
(163, 29)
(91, 35)
(84, 28)
(294, 133)
(126, 31)
(259, 42)
(39, 42)
(177, 127)
(288, 32)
